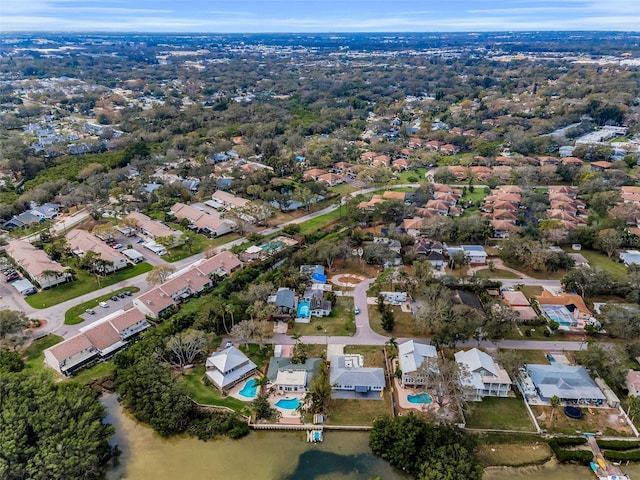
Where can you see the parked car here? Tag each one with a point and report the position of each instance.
(127, 293)
(104, 304)
(14, 276)
(114, 298)
(356, 310)
(90, 311)
(121, 295)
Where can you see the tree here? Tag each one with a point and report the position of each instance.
(12, 325)
(621, 320)
(587, 281)
(445, 379)
(184, 348)
(167, 241)
(252, 330)
(160, 273)
(555, 403)
(608, 240)
(388, 320)
(451, 462)
(305, 196)
(261, 211)
(608, 363)
(633, 406)
(262, 408)
(73, 443)
(319, 394)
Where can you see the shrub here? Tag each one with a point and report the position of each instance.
(633, 456)
(618, 444)
(563, 455)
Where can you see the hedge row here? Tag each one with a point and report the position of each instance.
(568, 441)
(563, 455)
(612, 455)
(619, 445)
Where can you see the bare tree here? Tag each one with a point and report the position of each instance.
(184, 348)
(12, 325)
(160, 273)
(446, 381)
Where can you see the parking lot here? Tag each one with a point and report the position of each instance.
(122, 302)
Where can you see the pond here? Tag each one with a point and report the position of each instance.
(259, 456)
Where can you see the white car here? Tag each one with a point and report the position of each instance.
(104, 304)
(356, 310)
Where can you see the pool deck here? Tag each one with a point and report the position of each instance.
(404, 403)
(235, 391)
(286, 415)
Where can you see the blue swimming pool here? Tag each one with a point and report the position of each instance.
(303, 309)
(288, 403)
(422, 398)
(249, 389)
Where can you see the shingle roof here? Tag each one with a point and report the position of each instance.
(412, 355)
(565, 381)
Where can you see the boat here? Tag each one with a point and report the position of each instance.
(594, 467)
(602, 464)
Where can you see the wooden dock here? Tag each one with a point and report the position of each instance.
(605, 469)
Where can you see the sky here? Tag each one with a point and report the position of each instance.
(254, 16)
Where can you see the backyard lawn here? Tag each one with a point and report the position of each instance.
(85, 283)
(499, 414)
(513, 454)
(373, 356)
(315, 224)
(340, 322)
(205, 395)
(358, 412)
(593, 420)
(86, 375)
(602, 262)
(33, 357)
(195, 243)
(72, 316)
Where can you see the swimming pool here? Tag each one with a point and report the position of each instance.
(303, 309)
(422, 398)
(288, 403)
(249, 390)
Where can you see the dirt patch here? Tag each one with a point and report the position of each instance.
(608, 421)
(37, 324)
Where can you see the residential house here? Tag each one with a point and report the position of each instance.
(220, 265)
(313, 174)
(503, 228)
(411, 356)
(36, 214)
(400, 164)
(600, 166)
(350, 379)
(381, 161)
(412, 226)
(449, 149)
(104, 336)
(630, 194)
(228, 200)
(344, 168)
(37, 264)
(475, 253)
(485, 377)
(82, 242)
(292, 377)
(154, 303)
(567, 382)
(70, 355)
(568, 309)
(331, 179)
(391, 195)
(371, 204)
(515, 299)
(202, 221)
(228, 367)
(284, 300)
(152, 229)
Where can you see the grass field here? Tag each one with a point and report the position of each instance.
(205, 395)
(539, 274)
(513, 454)
(340, 322)
(86, 375)
(85, 283)
(358, 412)
(500, 413)
(408, 176)
(405, 323)
(315, 224)
(72, 316)
(373, 355)
(194, 243)
(32, 355)
(497, 273)
(600, 261)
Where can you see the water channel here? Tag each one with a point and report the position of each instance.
(276, 456)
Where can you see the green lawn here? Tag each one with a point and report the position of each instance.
(260, 358)
(373, 355)
(315, 224)
(33, 357)
(601, 261)
(85, 283)
(403, 177)
(497, 273)
(499, 413)
(358, 412)
(86, 375)
(340, 322)
(343, 189)
(206, 395)
(537, 333)
(475, 196)
(405, 323)
(194, 243)
(533, 356)
(72, 316)
(539, 274)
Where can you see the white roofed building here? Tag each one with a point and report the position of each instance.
(411, 356)
(485, 378)
(228, 367)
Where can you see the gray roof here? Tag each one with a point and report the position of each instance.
(355, 376)
(412, 355)
(566, 381)
(285, 298)
(280, 363)
(476, 360)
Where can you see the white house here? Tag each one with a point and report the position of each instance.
(348, 374)
(37, 264)
(475, 253)
(228, 367)
(411, 356)
(68, 356)
(82, 242)
(485, 377)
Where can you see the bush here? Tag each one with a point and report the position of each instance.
(618, 444)
(568, 441)
(578, 456)
(614, 456)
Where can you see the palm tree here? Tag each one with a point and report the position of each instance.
(296, 336)
(555, 403)
(261, 381)
(633, 406)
